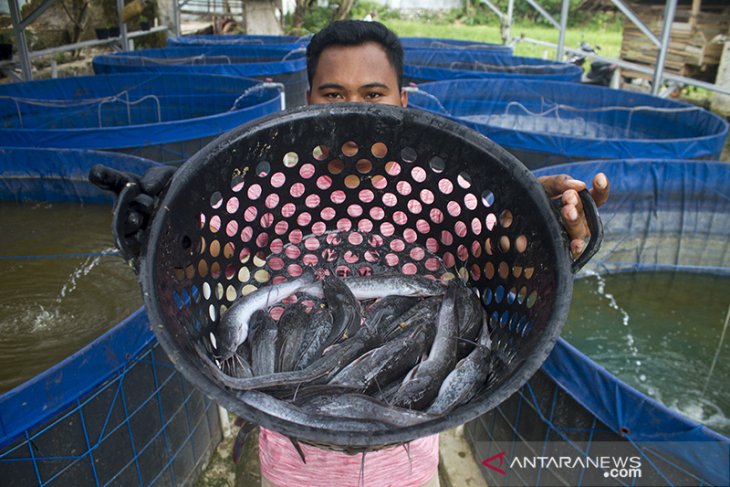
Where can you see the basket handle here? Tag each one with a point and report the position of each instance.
(137, 198)
(594, 225)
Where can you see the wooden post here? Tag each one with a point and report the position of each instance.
(696, 5)
(721, 103)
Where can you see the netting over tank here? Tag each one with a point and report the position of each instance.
(162, 117)
(238, 39)
(283, 64)
(546, 123)
(456, 44)
(422, 65)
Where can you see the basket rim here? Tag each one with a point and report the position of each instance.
(188, 173)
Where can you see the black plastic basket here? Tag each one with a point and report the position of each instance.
(239, 212)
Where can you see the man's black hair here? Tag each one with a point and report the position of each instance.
(355, 33)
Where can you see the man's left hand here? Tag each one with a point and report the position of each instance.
(574, 220)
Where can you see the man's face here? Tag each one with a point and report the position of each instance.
(355, 74)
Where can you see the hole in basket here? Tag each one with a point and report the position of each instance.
(453, 208)
(487, 198)
(237, 180)
(272, 201)
(337, 197)
(254, 192)
(521, 295)
(215, 224)
(291, 159)
(350, 148)
(352, 181)
(392, 168)
(476, 249)
(215, 200)
(354, 211)
(276, 246)
(418, 174)
(232, 205)
(365, 225)
(404, 188)
(363, 166)
(446, 186)
(335, 166)
(470, 201)
(320, 153)
(263, 169)
(389, 199)
(503, 270)
(278, 179)
(288, 210)
(464, 180)
(379, 150)
(232, 228)
(476, 226)
(414, 206)
(491, 220)
(186, 242)
(505, 219)
(437, 164)
(504, 244)
(306, 171)
(408, 154)
(521, 243)
(228, 250)
(489, 270)
(323, 182)
(379, 182)
(427, 196)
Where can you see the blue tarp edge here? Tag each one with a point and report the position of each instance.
(35, 401)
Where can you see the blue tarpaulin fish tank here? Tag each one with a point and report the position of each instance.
(162, 117)
(422, 65)
(547, 123)
(665, 219)
(116, 411)
(283, 64)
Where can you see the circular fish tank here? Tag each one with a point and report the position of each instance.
(279, 63)
(291, 42)
(424, 65)
(457, 44)
(87, 396)
(546, 123)
(161, 117)
(639, 374)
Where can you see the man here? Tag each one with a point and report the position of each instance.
(357, 61)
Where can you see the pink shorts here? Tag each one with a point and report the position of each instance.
(282, 466)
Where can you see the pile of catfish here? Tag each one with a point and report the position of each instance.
(374, 352)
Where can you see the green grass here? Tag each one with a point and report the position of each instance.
(607, 36)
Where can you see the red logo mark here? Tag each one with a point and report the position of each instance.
(488, 462)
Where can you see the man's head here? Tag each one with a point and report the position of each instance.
(354, 60)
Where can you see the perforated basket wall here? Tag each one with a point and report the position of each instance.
(407, 190)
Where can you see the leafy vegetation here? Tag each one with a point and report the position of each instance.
(479, 23)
